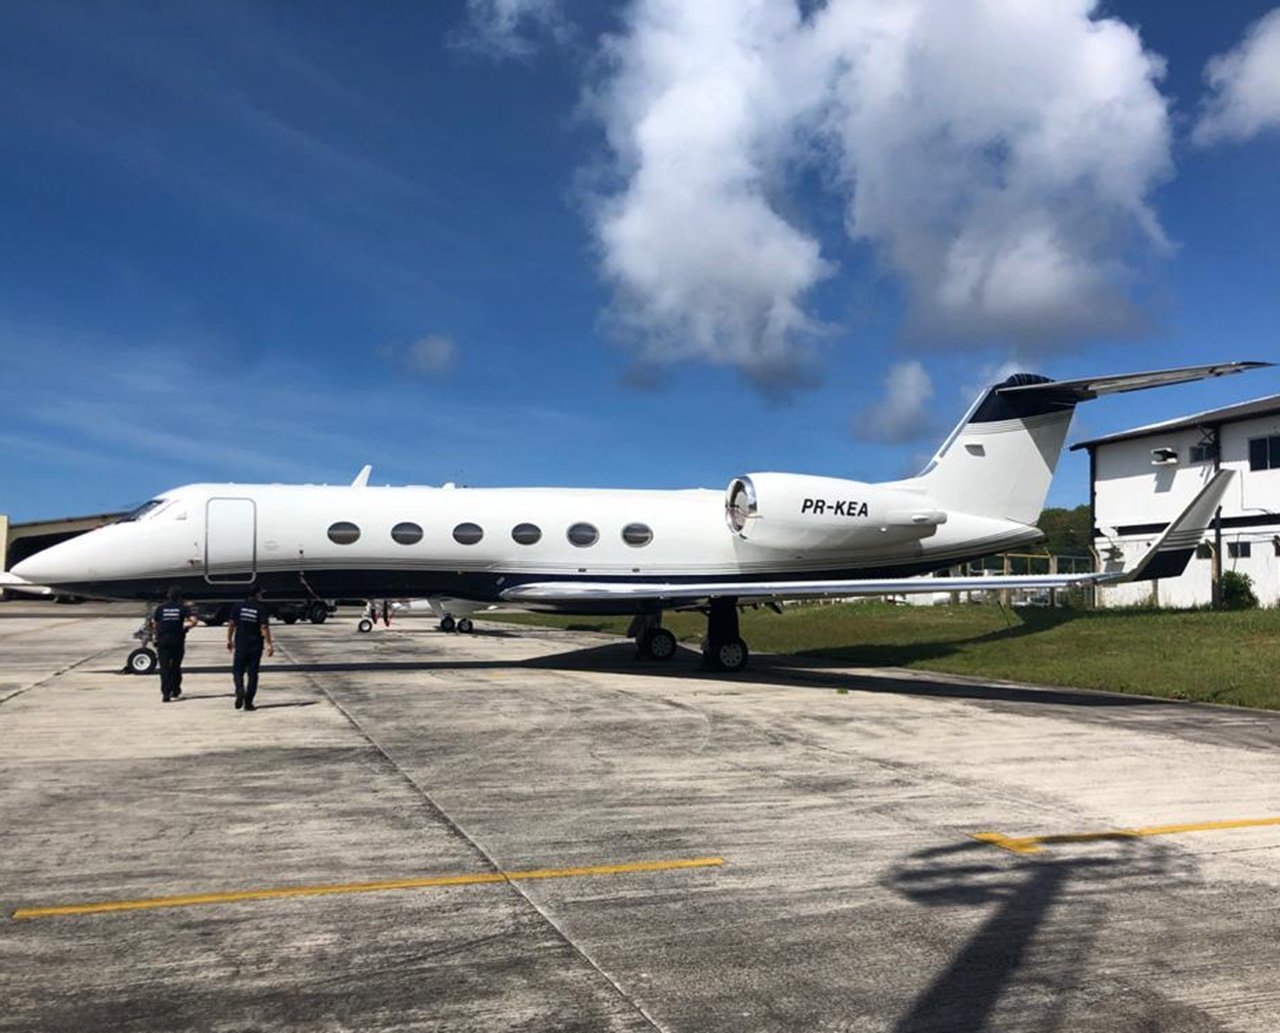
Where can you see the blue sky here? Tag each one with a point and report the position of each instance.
(569, 243)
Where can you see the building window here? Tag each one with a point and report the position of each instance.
(637, 534)
(407, 533)
(1206, 452)
(468, 534)
(1239, 550)
(526, 534)
(344, 532)
(583, 535)
(1264, 453)
(1204, 551)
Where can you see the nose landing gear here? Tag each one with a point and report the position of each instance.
(141, 661)
(144, 659)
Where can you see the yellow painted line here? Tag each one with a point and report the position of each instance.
(477, 879)
(1034, 844)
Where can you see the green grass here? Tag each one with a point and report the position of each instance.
(1215, 657)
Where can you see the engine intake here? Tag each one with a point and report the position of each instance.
(798, 511)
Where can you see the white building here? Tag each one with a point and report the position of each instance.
(1142, 478)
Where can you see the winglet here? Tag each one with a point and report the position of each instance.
(362, 478)
(1173, 550)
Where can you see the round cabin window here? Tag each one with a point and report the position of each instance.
(344, 532)
(468, 534)
(637, 534)
(407, 533)
(526, 534)
(583, 535)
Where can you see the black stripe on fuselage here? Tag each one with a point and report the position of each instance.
(477, 586)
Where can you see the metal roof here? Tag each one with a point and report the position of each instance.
(54, 523)
(1230, 414)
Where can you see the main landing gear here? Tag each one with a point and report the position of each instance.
(722, 650)
(653, 641)
(462, 624)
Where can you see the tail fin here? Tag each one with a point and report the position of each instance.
(999, 461)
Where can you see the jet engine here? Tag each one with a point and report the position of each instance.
(796, 511)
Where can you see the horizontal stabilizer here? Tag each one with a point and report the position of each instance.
(1092, 387)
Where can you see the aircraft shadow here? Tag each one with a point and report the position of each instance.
(1034, 621)
(766, 669)
(1042, 925)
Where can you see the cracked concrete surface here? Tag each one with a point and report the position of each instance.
(852, 897)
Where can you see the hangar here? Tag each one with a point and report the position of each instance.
(1141, 478)
(18, 541)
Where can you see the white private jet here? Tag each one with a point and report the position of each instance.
(770, 536)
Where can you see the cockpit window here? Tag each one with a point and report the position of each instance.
(143, 510)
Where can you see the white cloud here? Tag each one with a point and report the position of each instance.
(431, 356)
(511, 28)
(1244, 86)
(996, 154)
(704, 265)
(904, 413)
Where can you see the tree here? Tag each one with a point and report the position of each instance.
(1068, 532)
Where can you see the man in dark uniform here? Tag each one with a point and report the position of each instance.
(247, 631)
(169, 623)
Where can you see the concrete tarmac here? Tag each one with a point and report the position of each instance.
(842, 804)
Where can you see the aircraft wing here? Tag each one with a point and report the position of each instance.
(1167, 557)
(16, 584)
(678, 593)
(1092, 387)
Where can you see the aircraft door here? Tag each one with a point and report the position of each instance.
(230, 541)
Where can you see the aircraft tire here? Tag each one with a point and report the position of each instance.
(729, 656)
(290, 619)
(465, 626)
(447, 623)
(657, 644)
(318, 614)
(142, 661)
(365, 626)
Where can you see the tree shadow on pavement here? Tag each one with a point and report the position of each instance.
(1030, 957)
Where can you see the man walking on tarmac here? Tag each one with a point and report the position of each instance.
(247, 631)
(169, 624)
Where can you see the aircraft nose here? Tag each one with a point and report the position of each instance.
(49, 566)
